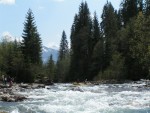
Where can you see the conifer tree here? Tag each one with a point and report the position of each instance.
(63, 62)
(97, 50)
(51, 68)
(31, 44)
(129, 9)
(96, 31)
(18, 63)
(145, 47)
(109, 28)
(81, 41)
(31, 48)
(137, 50)
(63, 50)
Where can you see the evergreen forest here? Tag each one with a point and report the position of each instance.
(115, 48)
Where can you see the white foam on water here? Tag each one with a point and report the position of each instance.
(15, 111)
(66, 98)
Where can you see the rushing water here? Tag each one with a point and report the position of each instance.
(67, 98)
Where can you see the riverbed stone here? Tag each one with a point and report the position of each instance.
(3, 112)
(12, 98)
(8, 94)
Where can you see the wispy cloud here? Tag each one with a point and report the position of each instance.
(7, 2)
(9, 37)
(53, 45)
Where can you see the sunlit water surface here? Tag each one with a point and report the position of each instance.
(67, 98)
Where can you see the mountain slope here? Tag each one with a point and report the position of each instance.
(46, 52)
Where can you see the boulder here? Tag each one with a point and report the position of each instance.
(24, 85)
(4, 86)
(19, 98)
(41, 86)
(5, 97)
(3, 112)
(12, 98)
(77, 89)
(1, 93)
(37, 86)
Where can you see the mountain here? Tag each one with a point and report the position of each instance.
(46, 52)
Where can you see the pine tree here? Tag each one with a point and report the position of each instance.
(109, 28)
(18, 63)
(116, 69)
(73, 55)
(31, 44)
(97, 59)
(63, 60)
(119, 19)
(145, 51)
(81, 39)
(136, 49)
(129, 9)
(96, 31)
(63, 50)
(31, 48)
(51, 68)
(96, 64)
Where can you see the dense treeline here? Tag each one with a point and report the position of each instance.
(118, 47)
(22, 60)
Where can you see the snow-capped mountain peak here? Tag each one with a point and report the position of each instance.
(46, 52)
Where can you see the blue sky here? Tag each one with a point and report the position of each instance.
(51, 16)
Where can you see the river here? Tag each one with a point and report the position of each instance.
(67, 98)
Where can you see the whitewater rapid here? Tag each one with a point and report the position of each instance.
(67, 98)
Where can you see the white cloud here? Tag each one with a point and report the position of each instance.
(9, 2)
(9, 37)
(53, 45)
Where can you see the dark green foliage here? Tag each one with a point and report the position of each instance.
(97, 35)
(81, 43)
(64, 50)
(109, 27)
(13, 64)
(51, 68)
(97, 60)
(62, 69)
(116, 69)
(145, 47)
(136, 48)
(17, 62)
(31, 48)
(129, 9)
(96, 63)
(6, 59)
(119, 19)
(31, 44)
(63, 63)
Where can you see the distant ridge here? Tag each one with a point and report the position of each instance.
(46, 52)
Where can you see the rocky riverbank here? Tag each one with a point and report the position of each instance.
(9, 94)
